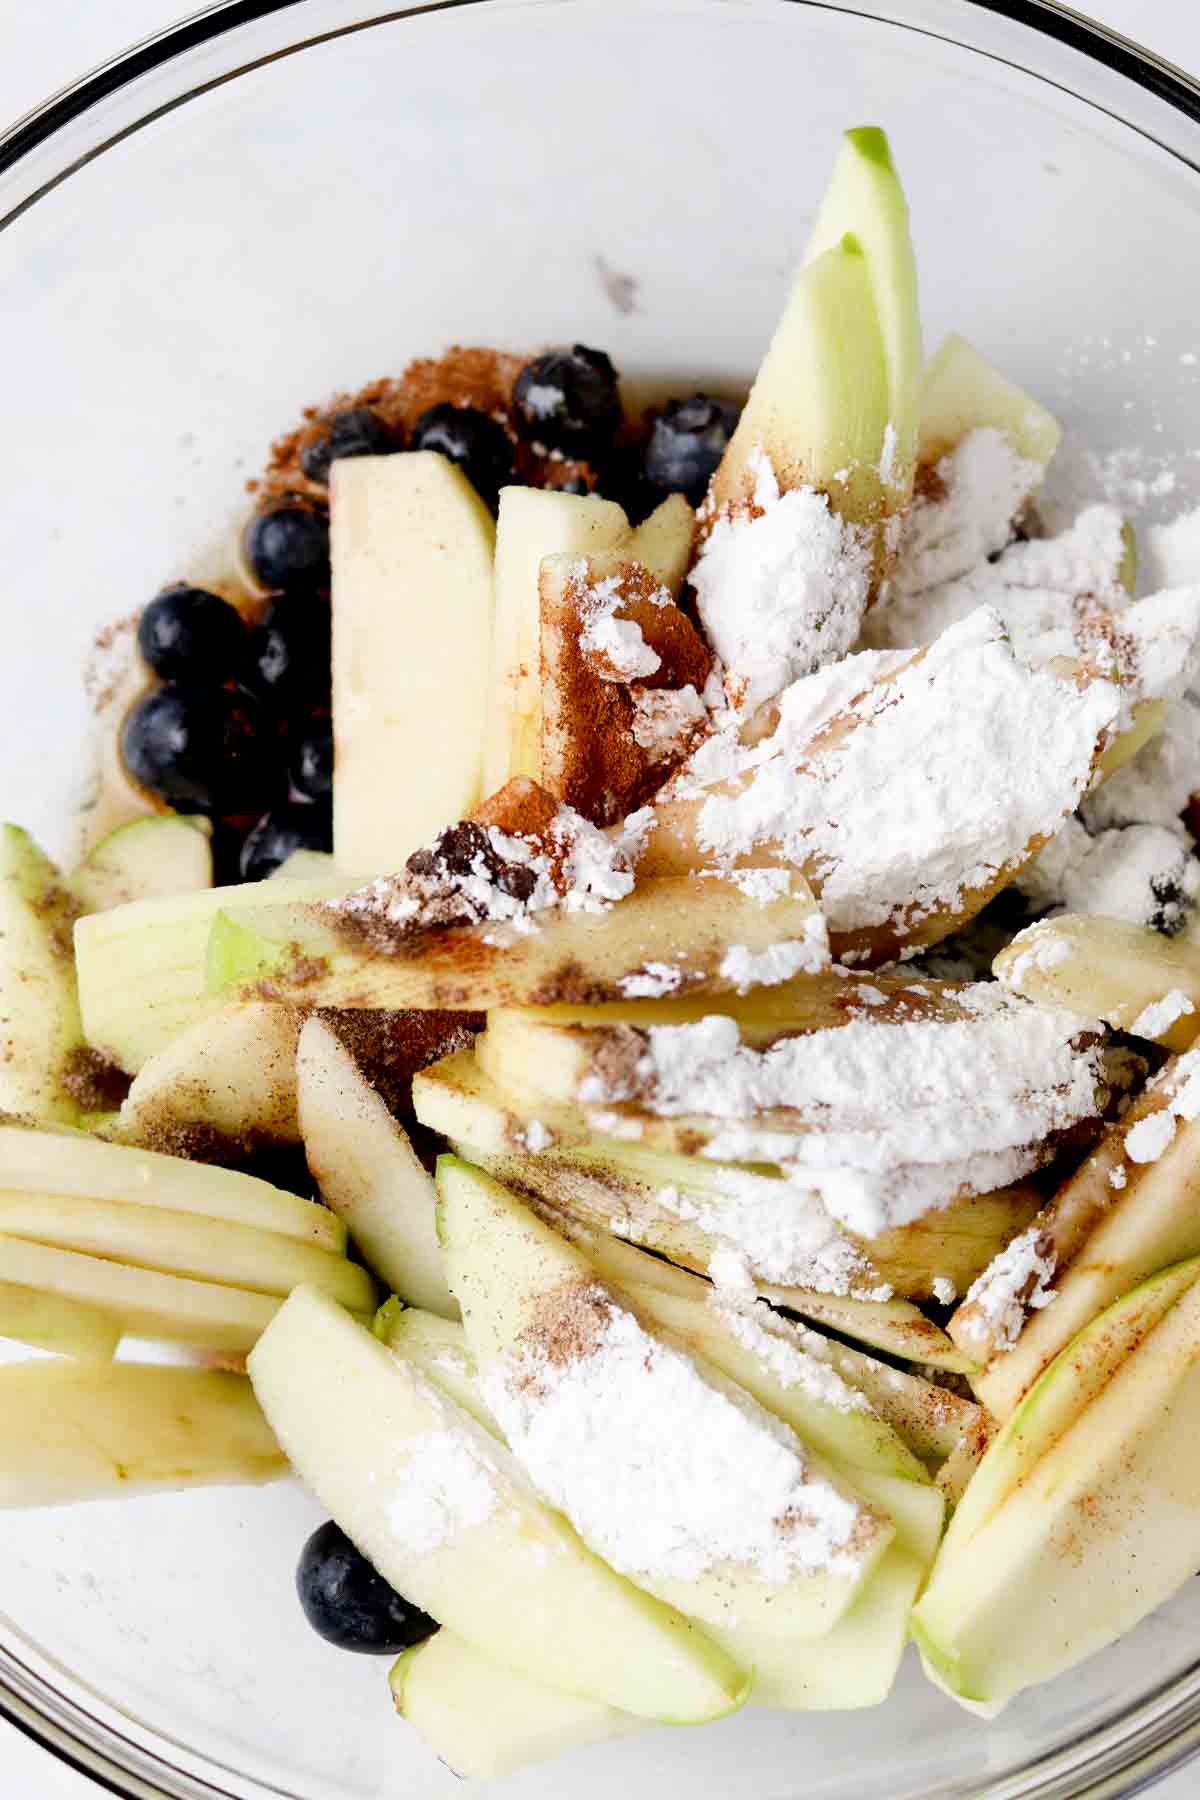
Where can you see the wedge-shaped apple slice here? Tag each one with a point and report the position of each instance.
(78, 1431)
(819, 407)
(436, 1346)
(223, 1089)
(813, 794)
(368, 1172)
(532, 523)
(1103, 1528)
(663, 542)
(446, 1515)
(43, 1162)
(749, 1526)
(411, 549)
(961, 391)
(677, 933)
(144, 860)
(864, 196)
(173, 1243)
(623, 674)
(1128, 975)
(59, 1326)
(483, 1720)
(41, 1037)
(141, 967)
(1080, 1253)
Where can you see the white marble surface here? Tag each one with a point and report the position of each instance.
(47, 45)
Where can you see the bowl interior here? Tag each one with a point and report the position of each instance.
(492, 173)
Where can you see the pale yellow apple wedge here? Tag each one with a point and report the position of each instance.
(226, 1083)
(41, 1035)
(962, 391)
(61, 1327)
(143, 860)
(1110, 969)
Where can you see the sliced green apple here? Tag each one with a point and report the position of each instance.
(532, 523)
(40, 1028)
(368, 1172)
(523, 1287)
(1105, 967)
(411, 550)
(145, 859)
(961, 391)
(485, 1720)
(1103, 1528)
(62, 1327)
(80, 1431)
(445, 1514)
(229, 1078)
(664, 542)
(436, 1346)
(865, 197)
(304, 865)
(141, 967)
(820, 404)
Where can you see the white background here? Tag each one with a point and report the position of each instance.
(46, 44)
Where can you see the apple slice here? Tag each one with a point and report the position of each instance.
(962, 391)
(1111, 969)
(676, 933)
(186, 1244)
(865, 197)
(539, 1322)
(43, 1162)
(146, 858)
(40, 1031)
(1102, 1529)
(411, 548)
(223, 1089)
(820, 404)
(436, 1346)
(304, 865)
(79, 1431)
(141, 967)
(368, 1172)
(58, 1326)
(484, 1720)
(445, 1514)
(664, 542)
(533, 523)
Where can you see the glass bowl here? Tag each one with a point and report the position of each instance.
(271, 202)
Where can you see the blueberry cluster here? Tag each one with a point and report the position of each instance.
(239, 728)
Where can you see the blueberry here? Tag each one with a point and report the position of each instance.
(287, 549)
(471, 439)
(312, 761)
(278, 833)
(356, 432)
(187, 632)
(290, 653)
(568, 399)
(687, 442)
(349, 1604)
(202, 750)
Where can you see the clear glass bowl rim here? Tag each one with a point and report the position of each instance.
(1158, 1735)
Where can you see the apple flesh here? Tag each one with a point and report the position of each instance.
(517, 1583)
(961, 391)
(60, 1327)
(231, 1077)
(1106, 967)
(411, 549)
(40, 1026)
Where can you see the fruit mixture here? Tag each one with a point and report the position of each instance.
(627, 1009)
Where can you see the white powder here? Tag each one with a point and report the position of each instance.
(1170, 554)
(780, 1231)
(781, 1349)
(665, 720)
(1146, 1141)
(1038, 951)
(984, 485)
(666, 1471)
(1160, 1015)
(1143, 873)
(447, 1485)
(763, 885)
(930, 791)
(541, 399)
(1117, 1177)
(536, 1137)
(782, 590)
(620, 651)
(653, 981)
(1155, 786)
(1014, 1283)
(944, 1290)
(808, 955)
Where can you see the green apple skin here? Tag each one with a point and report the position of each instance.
(145, 859)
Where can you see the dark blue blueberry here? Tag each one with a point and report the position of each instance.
(203, 749)
(278, 833)
(349, 1604)
(312, 761)
(290, 654)
(188, 633)
(287, 549)
(356, 432)
(568, 399)
(687, 442)
(471, 439)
